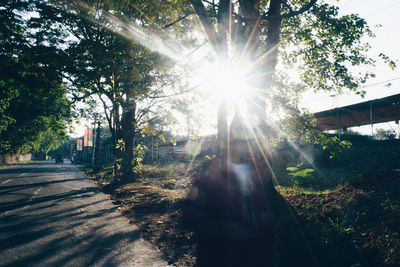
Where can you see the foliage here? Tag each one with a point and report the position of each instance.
(50, 141)
(322, 44)
(108, 65)
(33, 99)
(296, 190)
(139, 154)
(301, 176)
(94, 49)
(323, 47)
(382, 134)
(302, 127)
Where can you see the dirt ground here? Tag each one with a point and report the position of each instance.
(356, 224)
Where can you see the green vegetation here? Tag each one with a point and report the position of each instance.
(301, 176)
(296, 190)
(382, 134)
(33, 99)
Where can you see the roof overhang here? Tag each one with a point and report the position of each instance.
(374, 111)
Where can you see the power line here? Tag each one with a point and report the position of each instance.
(347, 91)
(378, 83)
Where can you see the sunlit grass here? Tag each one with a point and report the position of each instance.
(297, 190)
(137, 192)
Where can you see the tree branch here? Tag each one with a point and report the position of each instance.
(108, 118)
(77, 98)
(147, 121)
(205, 21)
(176, 21)
(292, 13)
(211, 3)
(175, 94)
(287, 5)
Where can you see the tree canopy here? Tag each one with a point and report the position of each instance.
(124, 57)
(33, 98)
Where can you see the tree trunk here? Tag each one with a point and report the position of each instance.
(273, 38)
(117, 134)
(219, 41)
(128, 132)
(222, 123)
(224, 20)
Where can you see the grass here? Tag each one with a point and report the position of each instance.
(340, 224)
(138, 192)
(297, 190)
(158, 183)
(164, 170)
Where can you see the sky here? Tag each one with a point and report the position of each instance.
(387, 41)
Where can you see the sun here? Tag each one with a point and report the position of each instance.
(214, 83)
(227, 82)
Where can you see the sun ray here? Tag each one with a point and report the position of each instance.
(199, 145)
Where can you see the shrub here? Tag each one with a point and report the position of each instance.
(301, 177)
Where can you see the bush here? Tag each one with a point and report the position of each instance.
(382, 134)
(301, 177)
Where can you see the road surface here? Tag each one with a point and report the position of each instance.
(52, 215)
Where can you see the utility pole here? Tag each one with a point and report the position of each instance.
(94, 137)
(97, 146)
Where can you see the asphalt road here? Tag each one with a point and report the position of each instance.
(52, 215)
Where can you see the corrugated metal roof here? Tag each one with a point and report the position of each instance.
(374, 111)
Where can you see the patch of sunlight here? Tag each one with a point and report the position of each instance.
(297, 190)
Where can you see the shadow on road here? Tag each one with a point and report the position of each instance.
(38, 167)
(12, 188)
(70, 227)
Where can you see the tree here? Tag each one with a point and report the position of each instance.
(305, 34)
(111, 69)
(33, 97)
(50, 140)
(309, 35)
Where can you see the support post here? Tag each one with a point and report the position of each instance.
(338, 122)
(93, 143)
(371, 119)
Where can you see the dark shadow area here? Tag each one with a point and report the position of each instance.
(23, 238)
(4, 189)
(38, 167)
(244, 221)
(74, 194)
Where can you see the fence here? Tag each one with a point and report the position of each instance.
(14, 158)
